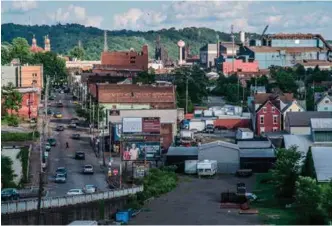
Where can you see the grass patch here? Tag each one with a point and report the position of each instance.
(271, 210)
(19, 136)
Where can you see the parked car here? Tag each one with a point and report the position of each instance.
(75, 102)
(58, 115)
(9, 194)
(80, 155)
(61, 170)
(51, 141)
(51, 98)
(60, 128)
(74, 120)
(62, 92)
(50, 112)
(76, 136)
(89, 188)
(60, 178)
(59, 105)
(75, 192)
(88, 169)
(47, 146)
(72, 125)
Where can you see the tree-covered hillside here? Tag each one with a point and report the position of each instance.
(65, 37)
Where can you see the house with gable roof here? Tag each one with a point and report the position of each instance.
(324, 103)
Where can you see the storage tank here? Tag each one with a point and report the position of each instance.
(190, 166)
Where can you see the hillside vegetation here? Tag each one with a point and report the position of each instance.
(65, 37)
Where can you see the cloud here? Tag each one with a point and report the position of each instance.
(24, 6)
(250, 16)
(75, 14)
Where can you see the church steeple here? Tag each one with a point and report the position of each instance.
(34, 41)
(47, 44)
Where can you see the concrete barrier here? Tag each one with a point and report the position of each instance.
(28, 205)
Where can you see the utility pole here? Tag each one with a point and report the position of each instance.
(42, 154)
(186, 94)
(93, 119)
(90, 114)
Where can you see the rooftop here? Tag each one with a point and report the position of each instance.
(319, 124)
(302, 119)
(253, 144)
(260, 98)
(314, 63)
(258, 153)
(266, 49)
(182, 151)
(322, 158)
(302, 142)
(218, 143)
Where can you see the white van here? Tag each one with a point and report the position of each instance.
(207, 168)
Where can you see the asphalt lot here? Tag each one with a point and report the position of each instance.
(197, 202)
(59, 156)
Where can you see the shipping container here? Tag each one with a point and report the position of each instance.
(208, 113)
(190, 166)
(198, 113)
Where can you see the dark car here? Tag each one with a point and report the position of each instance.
(76, 136)
(61, 170)
(80, 155)
(51, 98)
(9, 194)
(72, 125)
(51, 141)
(50, 112)
(74, 120)
(60, 128)
(59, 105)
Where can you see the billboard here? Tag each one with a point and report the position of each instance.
(132, 125)
(117, 130)
(151, 125)
(140, 151)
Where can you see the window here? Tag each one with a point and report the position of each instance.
(275, 129)
(327, 101)
(261, 119)
(326, 108)
(273, 109)
(262, 129)
(275, 119)
(264, 109)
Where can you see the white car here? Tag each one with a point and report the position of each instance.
(75, 192)
(89, 188)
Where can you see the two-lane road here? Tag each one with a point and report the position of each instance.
(60, 156)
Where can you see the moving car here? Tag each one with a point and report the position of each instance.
(75, 192)
(88, 169)
(72, 125)
(51, 98)
(61, 170)
(75, 102)
(89, 188)
(9, 194)
(80, 155)
(60, 128)
(62, 92)
(59, 105)
(74, 120)
(51, 141)
(47, 146)
(50, 112)
(60, 178)
(58, 115)
(76, 136)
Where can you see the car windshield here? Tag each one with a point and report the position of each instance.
(60, 175)
(7, 191)
(74, 190)
(88, 167)
(51, 139)
(60, 170)
(89, 186)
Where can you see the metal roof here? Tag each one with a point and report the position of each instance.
(303, 142)
(322, 157)
(254, 144)
(302, 119)
(257, 153)
(218, 143)
(182, 151)
(319, 124)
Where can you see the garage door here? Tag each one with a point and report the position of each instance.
(227, 168)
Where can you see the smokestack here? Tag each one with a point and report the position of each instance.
(105, 41)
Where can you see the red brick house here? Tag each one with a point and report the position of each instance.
(268, 118)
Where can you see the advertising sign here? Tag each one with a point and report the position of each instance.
(140, 151)
(132, 125)
(117, 130)
(151, 125)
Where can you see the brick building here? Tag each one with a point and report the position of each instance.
(23, 76)
(239, 66)
(126, 59)
(268, 118)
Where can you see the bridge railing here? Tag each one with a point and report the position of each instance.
(53, 202)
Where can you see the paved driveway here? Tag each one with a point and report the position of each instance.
(196, 201)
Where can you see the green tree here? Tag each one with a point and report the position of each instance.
(145, 77)
(53, 66)
(7, 172)
(286, 82)
(310, 102)
(77, 52)
(21, 50)
(308, 169)
(327, 199)
(308, 202)
(6, 51)
(300, 72)
(286, 171)
(12, 98)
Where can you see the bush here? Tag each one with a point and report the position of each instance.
(11, 120)
(7, 172)
(23, 155)
(19, 136)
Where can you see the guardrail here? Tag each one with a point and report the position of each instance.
(29, 205)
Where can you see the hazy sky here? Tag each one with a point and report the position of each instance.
(252, 16)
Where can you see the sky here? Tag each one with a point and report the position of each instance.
(248, 16)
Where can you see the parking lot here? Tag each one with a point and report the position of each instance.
(196, 201)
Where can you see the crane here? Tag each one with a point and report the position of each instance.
(265, 29)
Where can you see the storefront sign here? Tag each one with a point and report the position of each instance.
(132, 125)
(151, 125)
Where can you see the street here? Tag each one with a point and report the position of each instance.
(60, 156)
